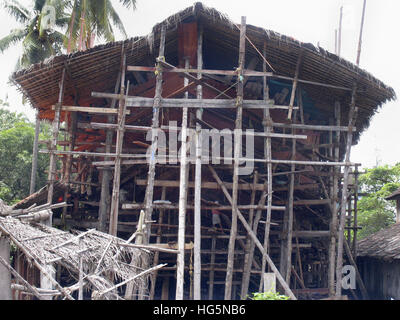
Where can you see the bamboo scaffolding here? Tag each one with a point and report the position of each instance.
(35, 155)
(55, 130)
(113, 225)
(254, 237)
(198, 179)
(154, 138)
(237, 151)
(105, 200)
(184, 176)
(339, 262)
(268, 127)
(334, 216)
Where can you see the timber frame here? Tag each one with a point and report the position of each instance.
(303, 107)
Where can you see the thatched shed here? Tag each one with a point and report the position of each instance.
(379, 263)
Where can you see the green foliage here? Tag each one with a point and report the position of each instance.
(374, 212)
(268, 296)
(73, 18)
(38, 41)
(16, 144)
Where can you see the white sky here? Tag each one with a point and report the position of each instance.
(308, 21)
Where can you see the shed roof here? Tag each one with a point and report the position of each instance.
(384, 244)
(97, 69)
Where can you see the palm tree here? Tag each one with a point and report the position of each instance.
(38, 40)
(90, 18)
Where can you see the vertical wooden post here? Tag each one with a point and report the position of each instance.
(197, 190)
(237, 149)
(355, 225)
(248, 253)
(165, 289)
(35, 154)
(154, 138)
(183, 187)
(104, 205)
(118, 150)
(156, 254)
(290, 214)
(253, 236)
(267, 122)
(212, 262)
(334, 211)
(5, 274)
(53, 156)
(339, 262)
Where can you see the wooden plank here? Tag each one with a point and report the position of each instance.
(90, 109)
(134, 206)
(246, 72)
(311, 234)
(312, 127)
(143, 102)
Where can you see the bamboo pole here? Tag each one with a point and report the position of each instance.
(212, 262)
(268, 123)
(35, 155)
(247, 263)
(339, 263)
(113, 226)
(361, 33)
(158, 240)
(294, 86)
(55, 129)
(154, 138)
(334, 212)
(184, 175)
(254, 237)
(290, 216)
(197, 190)
(237, 151)
(104, 206)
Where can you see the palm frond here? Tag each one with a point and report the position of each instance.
(128, 3)
(14, 37)
(17, 10)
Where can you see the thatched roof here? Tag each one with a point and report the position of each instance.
(40, 196)
(384, 244)
(102, 254)
(96, 69)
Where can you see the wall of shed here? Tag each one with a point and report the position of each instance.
(381, 278)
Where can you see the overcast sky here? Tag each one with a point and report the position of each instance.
(311, 21)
